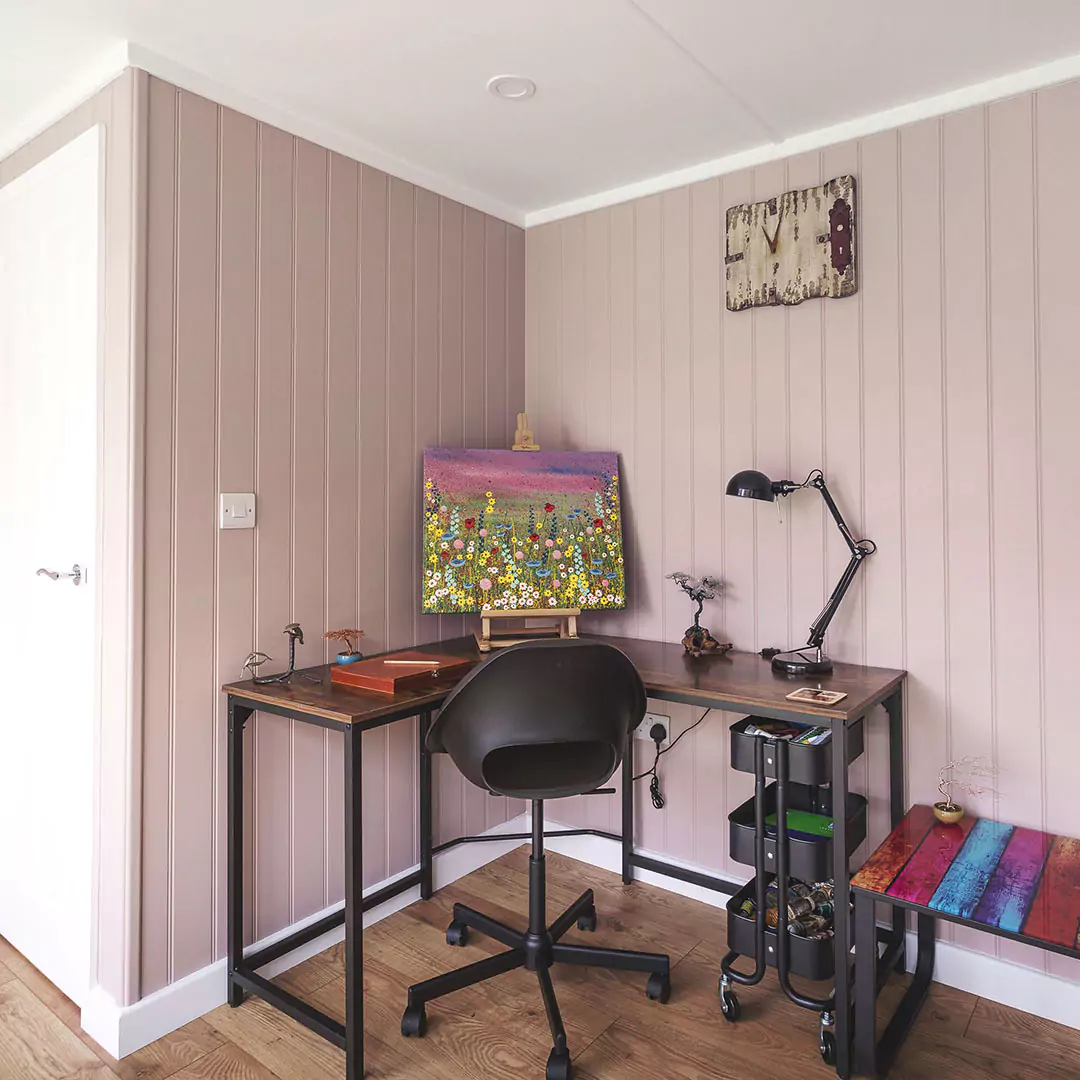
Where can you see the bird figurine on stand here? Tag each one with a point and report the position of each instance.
(256, 659)
(697, 640)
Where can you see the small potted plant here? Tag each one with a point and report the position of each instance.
(965, 774)
(350, 639)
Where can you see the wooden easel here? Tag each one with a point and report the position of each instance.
(562, 624)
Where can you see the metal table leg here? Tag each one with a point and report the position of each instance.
(238, 717)
(841, 900)
(426, 781)
(354, 908)
(866, 984)
(894, 707)
(628, 812)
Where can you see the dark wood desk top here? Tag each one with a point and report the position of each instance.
(738, 681)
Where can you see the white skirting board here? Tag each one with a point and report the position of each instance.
(123, 1030)
(987, 976)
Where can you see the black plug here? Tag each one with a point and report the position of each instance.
(658, 733)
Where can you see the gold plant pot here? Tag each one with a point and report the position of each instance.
(948, 813)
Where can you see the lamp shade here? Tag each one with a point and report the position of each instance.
(751, 484)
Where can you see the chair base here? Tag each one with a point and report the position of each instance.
(536, 952)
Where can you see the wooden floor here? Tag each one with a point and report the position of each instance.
(498, 1030)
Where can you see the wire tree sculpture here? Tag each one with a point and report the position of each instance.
(698, 640)
(968, 775)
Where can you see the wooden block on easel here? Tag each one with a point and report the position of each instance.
(563, 624)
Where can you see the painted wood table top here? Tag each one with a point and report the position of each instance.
(736, 680)
(1005, 878)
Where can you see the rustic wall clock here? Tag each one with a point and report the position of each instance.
(792, 248)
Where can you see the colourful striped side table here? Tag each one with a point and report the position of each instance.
(1016, 882)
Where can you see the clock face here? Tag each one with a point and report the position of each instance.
(795, 247)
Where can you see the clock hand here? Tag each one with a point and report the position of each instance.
(776, 234)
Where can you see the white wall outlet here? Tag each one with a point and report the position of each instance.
(646, 725)
(237, 510)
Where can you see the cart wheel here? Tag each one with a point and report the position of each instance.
(414, 1021)
(457, 933)
(658, 988)
(559, 1066)
(827, 1046)
(587, 920)
(729, 1005)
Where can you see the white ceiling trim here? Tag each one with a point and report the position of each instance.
(82, 86)
(1005, 86)
(314, 132)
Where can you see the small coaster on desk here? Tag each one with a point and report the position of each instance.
(813, 696)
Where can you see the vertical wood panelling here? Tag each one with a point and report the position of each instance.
(194, 526)
(305, 339)
(940, 402)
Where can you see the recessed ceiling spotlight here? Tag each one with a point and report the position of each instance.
(511, 87)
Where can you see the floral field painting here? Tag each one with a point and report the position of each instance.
(507, 529)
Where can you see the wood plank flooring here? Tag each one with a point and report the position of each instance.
(497, 1031)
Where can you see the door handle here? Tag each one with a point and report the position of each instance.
(76, 574)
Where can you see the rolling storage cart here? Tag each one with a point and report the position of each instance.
(801, 779)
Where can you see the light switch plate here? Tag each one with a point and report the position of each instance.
(237, 510)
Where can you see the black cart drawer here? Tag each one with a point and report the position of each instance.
(807, 958)
(810, 860)
(806, 764)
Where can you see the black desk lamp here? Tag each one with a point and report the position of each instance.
(809, 660)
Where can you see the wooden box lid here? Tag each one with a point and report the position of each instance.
(400, 671)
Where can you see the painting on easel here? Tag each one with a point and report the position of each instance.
(510, 530)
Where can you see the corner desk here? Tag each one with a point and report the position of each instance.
(736, 681)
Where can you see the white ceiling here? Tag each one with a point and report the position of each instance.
(628, 90)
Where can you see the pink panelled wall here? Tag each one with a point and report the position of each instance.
(942, 404)
(312, 325)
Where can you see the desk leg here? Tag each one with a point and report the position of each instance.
(894, 707)
(628, 811)
(426, 876)
(866, 963)
(238, 717)
(354, 908)
(842, 923)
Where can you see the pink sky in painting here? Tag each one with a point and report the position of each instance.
(517, 473)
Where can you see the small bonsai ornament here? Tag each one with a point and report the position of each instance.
(968, 775)
(350, 639)
(697, 640)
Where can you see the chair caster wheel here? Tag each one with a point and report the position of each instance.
(587, 920)
(827, 1046)
(414, 1021)
(559, 1066)
(729, 1005)
(658, 988)
(457, 933)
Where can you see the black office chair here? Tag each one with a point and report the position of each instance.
(537, 721)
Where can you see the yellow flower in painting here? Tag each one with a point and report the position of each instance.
(469, 556)
(427, 483)
(489, 494)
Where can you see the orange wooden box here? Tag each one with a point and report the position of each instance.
(389, 674)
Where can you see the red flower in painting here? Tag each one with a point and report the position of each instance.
(470, 522)
(444, 554)
(534, 537)
(548, 507)
(598, 522)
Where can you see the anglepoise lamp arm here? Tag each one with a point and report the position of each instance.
(755, 485)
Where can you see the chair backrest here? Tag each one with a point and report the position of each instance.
(542, 720)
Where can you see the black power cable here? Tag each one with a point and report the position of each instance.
(654, 784)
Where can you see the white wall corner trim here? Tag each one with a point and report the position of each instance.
(1019, 987)
(330, 138)
(82, 85)
(122, 1030)
(1005, 86)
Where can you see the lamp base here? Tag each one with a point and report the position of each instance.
(804, 661)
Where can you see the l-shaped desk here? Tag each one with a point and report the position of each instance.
(737, 682)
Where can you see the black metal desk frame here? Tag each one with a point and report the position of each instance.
(243, 969)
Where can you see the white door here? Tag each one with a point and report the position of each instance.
(49, 328)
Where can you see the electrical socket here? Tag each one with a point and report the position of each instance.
(646, 725)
